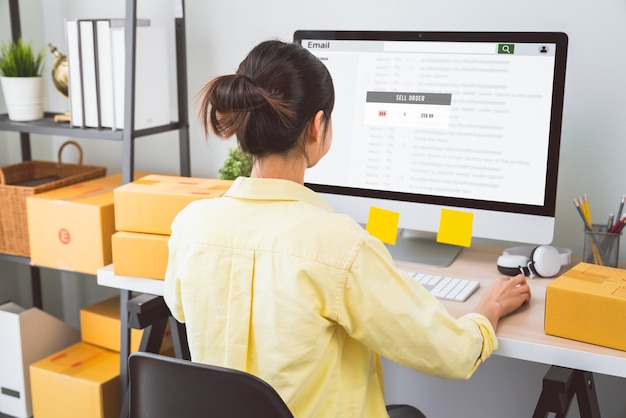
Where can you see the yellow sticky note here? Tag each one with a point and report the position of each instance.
(455, 227)
(383, 224)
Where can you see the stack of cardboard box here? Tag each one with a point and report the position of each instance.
(83, 228)
(70, 228)
(89, 368)
(144, 211)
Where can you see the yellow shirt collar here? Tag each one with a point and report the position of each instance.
(275, 189)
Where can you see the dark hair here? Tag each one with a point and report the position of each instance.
(271, 101)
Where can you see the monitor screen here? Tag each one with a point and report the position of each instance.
(425, 121)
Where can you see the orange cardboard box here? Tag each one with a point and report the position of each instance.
(587, 303)
(140, 255)
(70, 228)
(79, 381)
(100, 326)
(149, 204)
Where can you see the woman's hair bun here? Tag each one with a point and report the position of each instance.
(271, 99)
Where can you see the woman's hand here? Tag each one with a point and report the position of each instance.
(503, 297)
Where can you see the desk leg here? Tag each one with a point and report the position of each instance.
(124, 352)
(149, 313)
(586, 395)
(560, 384)
(153, 337)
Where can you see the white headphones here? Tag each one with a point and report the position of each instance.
(543, 261)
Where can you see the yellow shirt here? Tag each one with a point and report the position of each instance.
(270, 281)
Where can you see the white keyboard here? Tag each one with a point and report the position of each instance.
(445, 287)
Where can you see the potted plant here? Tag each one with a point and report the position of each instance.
(21, 78)
(237, 164)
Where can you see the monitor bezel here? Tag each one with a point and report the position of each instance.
(560, 39)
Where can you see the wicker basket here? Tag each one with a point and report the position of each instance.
(28, 178)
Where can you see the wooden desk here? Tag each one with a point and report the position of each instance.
(106, 277)
(520, 335)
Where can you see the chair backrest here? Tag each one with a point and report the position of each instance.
(167, 387)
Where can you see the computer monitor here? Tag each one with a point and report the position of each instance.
(425, 121)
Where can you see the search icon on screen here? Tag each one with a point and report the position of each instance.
(506, 48)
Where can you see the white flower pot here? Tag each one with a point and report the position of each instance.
(24, 97)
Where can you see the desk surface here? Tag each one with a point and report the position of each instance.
(520, 335)
(106, 277)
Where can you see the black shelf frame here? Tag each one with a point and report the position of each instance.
(127, 136)
(47, 126)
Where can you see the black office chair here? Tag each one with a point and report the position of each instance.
(166, 387)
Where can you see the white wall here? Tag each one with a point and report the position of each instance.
(219, 34)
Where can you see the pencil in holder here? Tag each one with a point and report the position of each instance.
(601, 247)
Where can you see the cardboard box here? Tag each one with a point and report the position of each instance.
(100, 326)
(70, 228)
(140, 255)
(28, 335)
(77, 382)
(149, 204)
(587, 303)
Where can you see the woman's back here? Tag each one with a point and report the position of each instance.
(261, 275)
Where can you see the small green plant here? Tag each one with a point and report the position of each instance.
(237, 164)
(19, 59)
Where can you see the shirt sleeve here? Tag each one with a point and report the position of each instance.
(383, 308)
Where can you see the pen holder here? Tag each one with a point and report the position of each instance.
(601, 247)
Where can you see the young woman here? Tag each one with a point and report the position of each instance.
(270, 281)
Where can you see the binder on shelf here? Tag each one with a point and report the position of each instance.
(105, 67)
(96, 59)
(152, 95)
(88, 74)
(74, 69)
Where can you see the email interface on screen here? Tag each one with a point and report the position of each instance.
(445, 119)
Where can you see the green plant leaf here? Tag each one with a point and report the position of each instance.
(237, 164)
(18, 59)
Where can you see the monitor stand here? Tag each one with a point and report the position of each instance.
(423, 248)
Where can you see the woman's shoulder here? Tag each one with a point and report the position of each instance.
(340, 227)
(196, 210)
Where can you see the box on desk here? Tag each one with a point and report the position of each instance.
(140, 255)
(28, 335)
(587, 303)
(149, 204)
(79, 381)
(70, 228)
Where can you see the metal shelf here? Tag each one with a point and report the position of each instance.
(15, 259)
(35, 276)
(47, 126)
